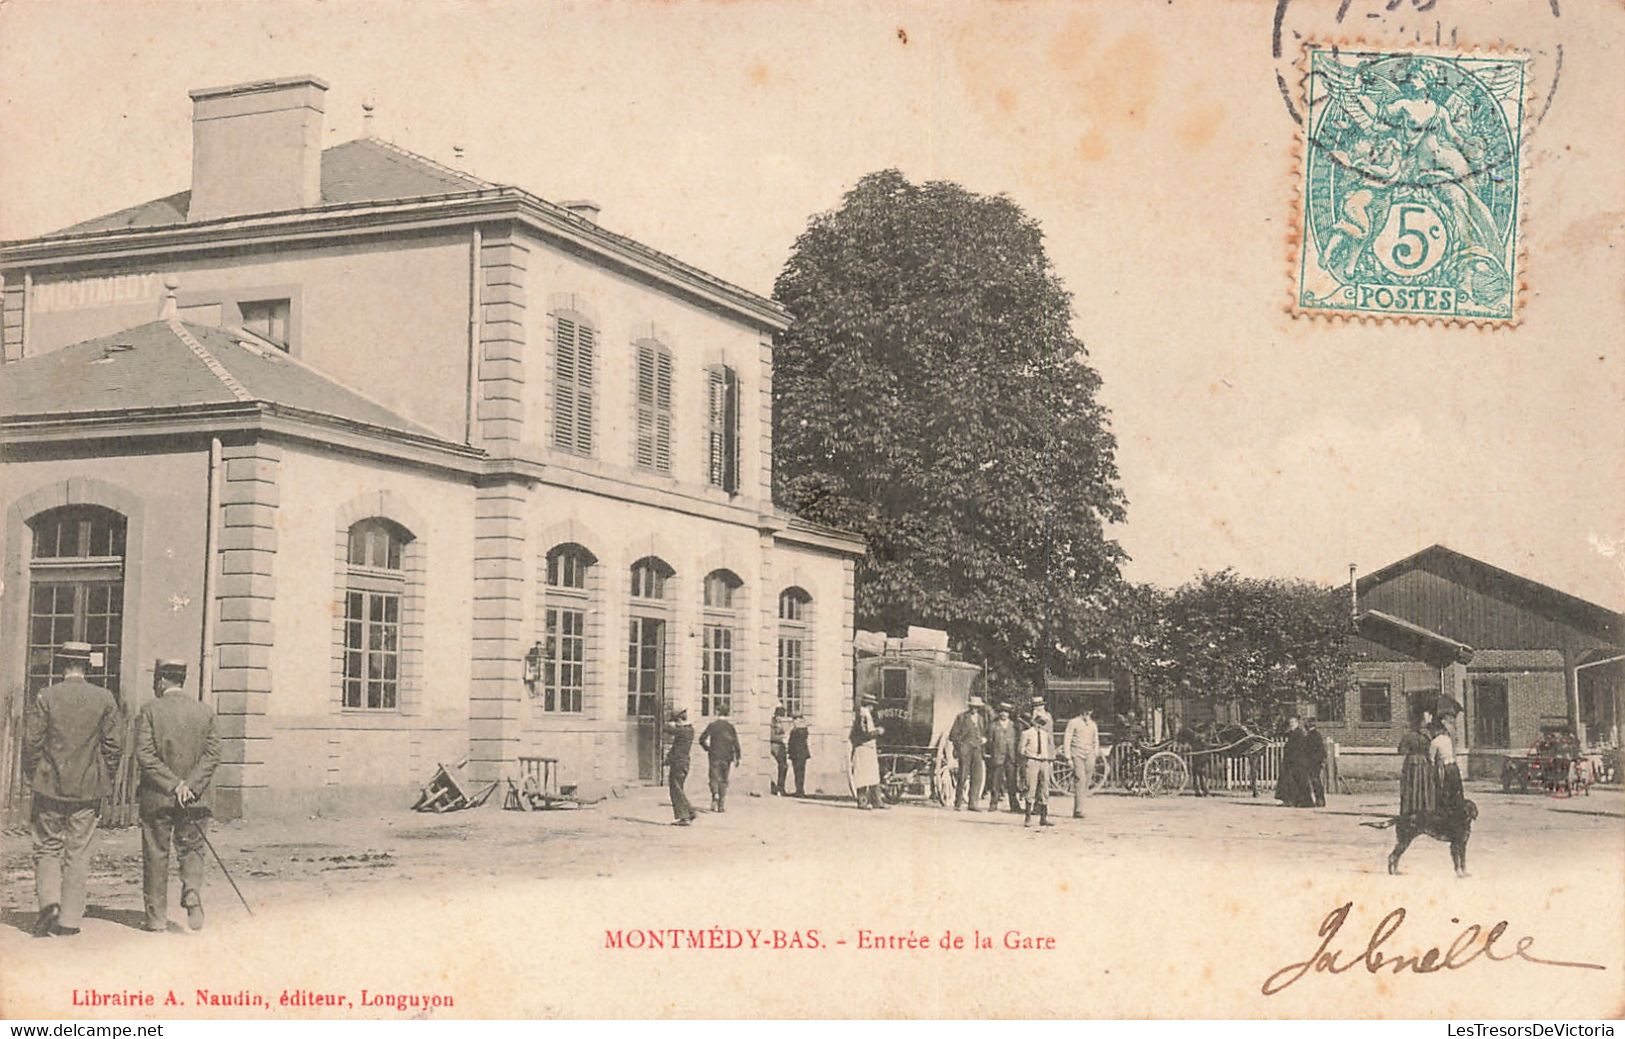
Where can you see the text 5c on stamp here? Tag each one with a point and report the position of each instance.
(1411, 190)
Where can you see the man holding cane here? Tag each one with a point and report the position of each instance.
(178, 750)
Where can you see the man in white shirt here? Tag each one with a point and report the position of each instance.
(1038, 750)
(1082, 748)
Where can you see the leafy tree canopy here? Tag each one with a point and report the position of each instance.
(930, 395)
(1266, 645)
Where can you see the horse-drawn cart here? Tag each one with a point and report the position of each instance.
(1165, 768)
(1556, 764)
(920, 692)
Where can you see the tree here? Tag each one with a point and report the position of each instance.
(1266, 645)
(930, 395)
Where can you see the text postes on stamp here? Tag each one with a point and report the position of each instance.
(1411, 186)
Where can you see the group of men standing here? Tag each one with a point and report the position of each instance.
(1013, 759)
(72, 752)
(720, 741)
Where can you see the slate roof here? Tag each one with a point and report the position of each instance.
(169, 365)
(363, 170)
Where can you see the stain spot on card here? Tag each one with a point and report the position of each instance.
(1108, 82)
(1199, 126)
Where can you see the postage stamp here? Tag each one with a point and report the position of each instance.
(1411, 191)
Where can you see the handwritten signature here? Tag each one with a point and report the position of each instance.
(1471, 944)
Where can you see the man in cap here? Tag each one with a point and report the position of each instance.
(71, 752)
(681, 734)
(720, 741)
(1038, 750)
(969, 737)
(178, 749)
(1082, 744)
(1002, 749)
(800, 751)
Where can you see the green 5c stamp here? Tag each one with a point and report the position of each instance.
(1411, 193)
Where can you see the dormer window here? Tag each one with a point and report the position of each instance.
(267, 318)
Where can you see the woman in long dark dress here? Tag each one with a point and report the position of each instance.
(1294, 788)
(1418, 794)
(1446, 773)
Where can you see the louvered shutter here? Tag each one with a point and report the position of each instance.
(663, 411)
(715, 411)
(646, 406)
(730, 431)
(565, 369)
(586, 358)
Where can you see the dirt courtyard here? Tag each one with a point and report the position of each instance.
(510, 913)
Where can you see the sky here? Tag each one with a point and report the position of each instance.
(1149, 139)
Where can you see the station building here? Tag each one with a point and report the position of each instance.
(414, 466)
(1520, 657)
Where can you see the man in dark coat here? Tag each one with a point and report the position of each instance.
(178, 750)
(969, 737)
(799, 753)
(1317, 763)
(1189, 740)
(720, 741)
(1293, 788)
(71, 752)
(681, 734)
(1002, 745)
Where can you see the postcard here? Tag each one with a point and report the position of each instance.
(1038, 510)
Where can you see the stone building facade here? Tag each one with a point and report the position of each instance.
(416, 467)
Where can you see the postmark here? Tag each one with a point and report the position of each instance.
(1411, 184)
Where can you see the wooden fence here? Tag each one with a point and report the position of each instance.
(1223, 773)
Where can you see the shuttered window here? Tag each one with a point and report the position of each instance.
(722, 428)
(654, 407)
(575, 353)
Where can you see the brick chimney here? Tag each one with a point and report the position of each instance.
(586, 209)
(257, 147)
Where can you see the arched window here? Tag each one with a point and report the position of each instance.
(375, 586)
(795, 609)
(564, 643)
(720, 586)
(649, 576)
(76, 592)
(646, 658)
(717, 649)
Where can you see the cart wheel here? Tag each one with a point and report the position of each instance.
(892, 792)
(1061, 779)
(1165, 773)
(1103, 771)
